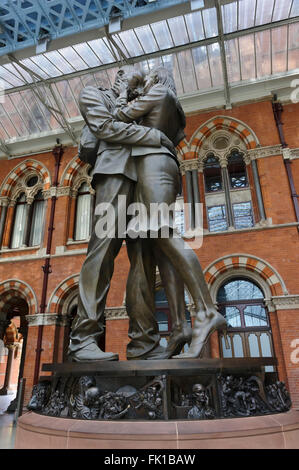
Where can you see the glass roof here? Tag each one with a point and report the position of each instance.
(261, 39)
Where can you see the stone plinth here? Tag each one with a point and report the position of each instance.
(279, 431)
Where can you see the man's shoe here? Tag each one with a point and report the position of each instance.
(91, 353)
(157, 353)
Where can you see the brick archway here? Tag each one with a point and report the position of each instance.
(16, 288)
(71, 170)
(25, 167)
(189, 150)
(61, 293)
(248, 263)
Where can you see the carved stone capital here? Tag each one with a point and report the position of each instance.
(116, 313)
(4, 201)
(286, 302)
(42, 319)
(188, 165)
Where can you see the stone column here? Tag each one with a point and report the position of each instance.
(27, 225)
(72, 216)
(5, 390)
(4, 204)
(258, 190)
(8, 224)
(224, 174)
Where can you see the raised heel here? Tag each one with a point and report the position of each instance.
(227, 346)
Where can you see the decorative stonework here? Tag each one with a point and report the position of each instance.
(15, 288)
(286, 302)
(18, 176)
(189, 165)
(261, 152)
(290, 154)
(71, 170)
(61, 293)
(249, 263)
(46, 319)
(116, 313)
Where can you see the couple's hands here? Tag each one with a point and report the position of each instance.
(165, 142)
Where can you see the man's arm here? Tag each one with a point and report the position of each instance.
(104, 126)
(140, 107)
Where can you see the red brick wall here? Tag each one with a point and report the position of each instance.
(277, 246)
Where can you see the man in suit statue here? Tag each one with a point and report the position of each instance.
(114, 175)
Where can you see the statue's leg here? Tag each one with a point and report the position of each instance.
(207, 318)
(140, 300)
(96, 273)
(175, 293)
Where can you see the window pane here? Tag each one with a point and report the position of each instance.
(237, 171)
(226, 352)
(263, 51)
(238, 346)
(247, 57)
(37, 223)
(217, 218)
(212, 175)
(162, 35)
(265, 344)
(279, 49)
(253, 345)
(243, 215)
(178, 30)
(82, 229)
(293, 59)
(232, 315)
(201, 65)
(232, 60)
(19, 224)
(146, 38)
(255, 315)
(195, 27)
(239, 289)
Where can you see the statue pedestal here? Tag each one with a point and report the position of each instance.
(279, 431)
(167, 404)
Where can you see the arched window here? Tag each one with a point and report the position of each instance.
(241, 301)
(83, 213)
(37, 219)
(19, 224)
(227, 192)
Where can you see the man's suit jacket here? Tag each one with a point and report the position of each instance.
(116, 138)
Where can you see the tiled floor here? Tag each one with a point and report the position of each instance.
(7, 427)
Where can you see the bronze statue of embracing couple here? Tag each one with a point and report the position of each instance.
(129, 139)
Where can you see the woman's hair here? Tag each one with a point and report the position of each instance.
(165, 77)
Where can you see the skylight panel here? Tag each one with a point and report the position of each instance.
(35, 68)
(214, 57)
(229, 15)
(147, 39)
(202, 69)
(195, 26)
(247, 57)
(279, 49)
(59, 62)
(295, 9)
(210, 22)
(263, 53)
(162, 35)
(246, 17)
(67, 97)
(264, 11)
(43, 63)
(10, 78)
(293, 55)
(131, 43)
(233, 60)
(186, 65)
(282, 9)
(73, 58)
(102, 51)
(178, 30)
(87, 54)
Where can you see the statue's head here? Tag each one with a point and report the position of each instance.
(160, 75)
(199, 392)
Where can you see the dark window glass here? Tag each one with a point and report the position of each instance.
(32, 181)
(37, 220)
(212, 175)
(237, 170)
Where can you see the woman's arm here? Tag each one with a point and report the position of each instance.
(140, 107)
